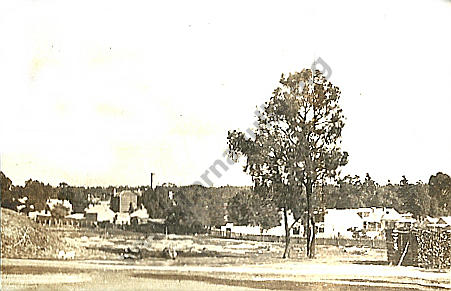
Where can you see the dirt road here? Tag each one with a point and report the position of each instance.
(115, 275)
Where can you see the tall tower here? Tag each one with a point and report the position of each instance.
(151, 180)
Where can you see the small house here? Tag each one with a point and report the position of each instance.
(370, 221)
(99, 213)
(139, 216)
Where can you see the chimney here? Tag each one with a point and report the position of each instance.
(151, 180)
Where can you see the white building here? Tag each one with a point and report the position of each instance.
(439, 222)
(240, 229)
(257, 230)
(445, 220)
(337, 223)
(139, 216)
(99, 213)
(373, 221)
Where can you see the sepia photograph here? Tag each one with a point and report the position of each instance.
(225, 145)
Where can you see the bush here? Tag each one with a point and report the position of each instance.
(59, 211)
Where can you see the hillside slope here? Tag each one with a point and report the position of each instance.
(24, 238)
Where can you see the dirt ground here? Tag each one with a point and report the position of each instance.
(220, 264)
(20, 274)
(120, 260)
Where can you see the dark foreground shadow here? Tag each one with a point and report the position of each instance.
(374, 263)
(269, 284)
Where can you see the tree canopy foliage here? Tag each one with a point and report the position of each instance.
(440, 191)
(296, 143)
(196, 209)
(354, 192)
(59, 211)
(248, 208)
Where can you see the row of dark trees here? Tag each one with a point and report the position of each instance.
(37, 193)
(197, 207)
(419, 198)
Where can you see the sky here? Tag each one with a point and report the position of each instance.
(106, 92)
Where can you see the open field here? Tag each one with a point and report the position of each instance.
(203, 262)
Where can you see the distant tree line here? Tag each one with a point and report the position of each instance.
(197, 209)
(37, 194)
(419, 198)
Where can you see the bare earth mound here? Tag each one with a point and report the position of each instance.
(24, 238)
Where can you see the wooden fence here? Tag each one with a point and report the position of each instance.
(372, 243)
(61, 222)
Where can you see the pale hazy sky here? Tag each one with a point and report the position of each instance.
(105, 92)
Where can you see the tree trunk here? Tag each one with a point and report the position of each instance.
(307, 219)
(310, 225)
(286, 253)
(312, 238)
